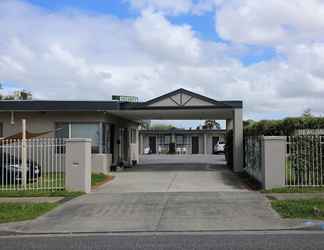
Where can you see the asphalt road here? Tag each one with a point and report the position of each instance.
(239, 240)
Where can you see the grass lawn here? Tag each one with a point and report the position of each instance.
(295, 190)
(47, 181)
(10, 212)
(25, 193)
(303, 209)
(97, 179)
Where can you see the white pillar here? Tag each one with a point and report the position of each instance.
(24, 153)
(78, 165)
(238, 141)
(205, 143)
(273, 161)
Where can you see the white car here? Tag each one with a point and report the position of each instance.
(219, 147)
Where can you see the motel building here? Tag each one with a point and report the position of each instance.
(114, 126)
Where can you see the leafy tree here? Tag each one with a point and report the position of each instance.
(162, 127)
(211, 124)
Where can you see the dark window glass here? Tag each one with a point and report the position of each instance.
(179, 139)
(62, 130)
(107, 138)
(87, 130)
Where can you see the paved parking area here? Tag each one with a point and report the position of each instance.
(174, 178)
(164, 198)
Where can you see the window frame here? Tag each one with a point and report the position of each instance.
(100, 136)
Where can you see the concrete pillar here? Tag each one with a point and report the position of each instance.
(78, 165)
(273, 161)
(205, 143)
(238, 141)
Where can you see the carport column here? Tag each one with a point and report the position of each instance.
(273, 161)
(205, 142)
(238, 141)
(78, 165)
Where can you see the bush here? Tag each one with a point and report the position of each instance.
(283, 127)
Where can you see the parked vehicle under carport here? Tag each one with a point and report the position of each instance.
(11, 170)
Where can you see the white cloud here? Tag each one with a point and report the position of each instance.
(273, 22)
(171, 7)
(70, 54)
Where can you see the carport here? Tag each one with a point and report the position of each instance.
(182, 104)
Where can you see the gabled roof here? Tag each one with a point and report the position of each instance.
(185, 98)
(178, 99)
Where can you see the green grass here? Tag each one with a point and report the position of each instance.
(295, 190)
(298, 208)
(97, 178)
(25, 193)
(10, 212)
(46, 181)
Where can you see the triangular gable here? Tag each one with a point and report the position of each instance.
(181, 98)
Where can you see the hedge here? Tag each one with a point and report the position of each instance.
(286, 127)
(283, 127)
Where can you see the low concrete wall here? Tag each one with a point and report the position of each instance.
(101, 163)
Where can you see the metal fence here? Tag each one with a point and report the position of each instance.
(304, 161)
(32, 164)
(253, 156)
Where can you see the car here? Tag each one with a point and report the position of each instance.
(219, 147)
(11, 170)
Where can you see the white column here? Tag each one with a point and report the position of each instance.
(24, 153)
(78, 165)
(205, 143)
(238, 141)
(273, 161)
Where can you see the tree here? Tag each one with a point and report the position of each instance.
(17, 95)
(248, 123)
(162, 127)
(307, 113)
(211, 124)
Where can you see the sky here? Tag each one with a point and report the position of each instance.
(270, 54)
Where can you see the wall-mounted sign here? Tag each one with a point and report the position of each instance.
(123, 98)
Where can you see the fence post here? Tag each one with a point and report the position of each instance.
(78, 165)
(24, 154)
(273, 161)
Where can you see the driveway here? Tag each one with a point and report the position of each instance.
(167, 197)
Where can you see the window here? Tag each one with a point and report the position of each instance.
(62, 130)
(179, 139)
(133, 135)
(100, 136)
(167, 139)
(87, 130)
(107, 138)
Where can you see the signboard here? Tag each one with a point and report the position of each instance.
(122, 98)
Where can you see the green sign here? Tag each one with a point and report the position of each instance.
(122, 98)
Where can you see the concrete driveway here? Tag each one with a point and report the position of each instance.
(163, 198)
